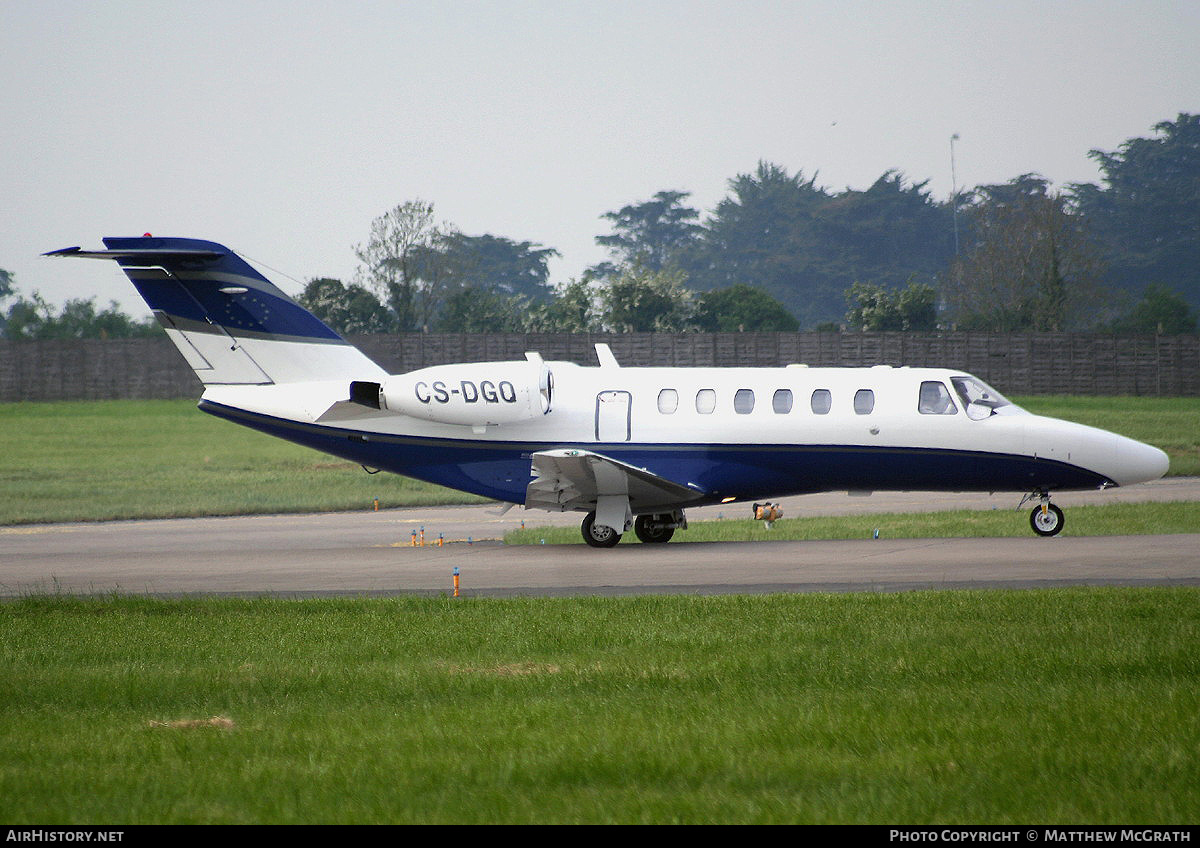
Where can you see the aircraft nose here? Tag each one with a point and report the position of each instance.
(1138, 462)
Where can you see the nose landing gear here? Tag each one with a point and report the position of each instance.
(1046, 519)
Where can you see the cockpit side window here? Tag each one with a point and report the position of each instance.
(935, 399)
(979, 399)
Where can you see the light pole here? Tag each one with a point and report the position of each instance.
(954, 191)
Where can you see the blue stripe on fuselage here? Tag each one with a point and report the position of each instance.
(501, 470)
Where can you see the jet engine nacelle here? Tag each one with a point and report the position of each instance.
(474, 394)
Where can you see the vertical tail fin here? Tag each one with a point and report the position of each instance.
(232, 325)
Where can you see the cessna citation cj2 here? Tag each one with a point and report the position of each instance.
(628, 447)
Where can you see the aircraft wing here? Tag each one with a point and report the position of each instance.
(570, 479)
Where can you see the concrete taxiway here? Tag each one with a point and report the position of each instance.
(370, 553)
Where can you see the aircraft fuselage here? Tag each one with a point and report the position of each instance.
(727, 433)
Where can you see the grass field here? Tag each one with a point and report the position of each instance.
(1056, 706)
(95, 461)
(88, 461)
(1102, 520)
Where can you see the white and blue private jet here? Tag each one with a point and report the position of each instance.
(628, 447)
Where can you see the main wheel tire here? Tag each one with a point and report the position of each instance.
(648, 531)
(1048, 523)
(598, 535)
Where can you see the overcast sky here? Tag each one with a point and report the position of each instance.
(283, 128)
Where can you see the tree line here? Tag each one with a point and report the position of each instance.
(33, 318)
(780, 252)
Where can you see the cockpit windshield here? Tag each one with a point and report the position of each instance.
(980, 399)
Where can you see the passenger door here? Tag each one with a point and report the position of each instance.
(612, 416)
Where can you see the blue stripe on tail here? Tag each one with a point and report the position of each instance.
(213, 291)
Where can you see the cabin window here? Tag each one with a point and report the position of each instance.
(821, 401)
(706, 401)
(743, 401)
(935, 399)
(781, 401)
(668, 401)
(864, 402)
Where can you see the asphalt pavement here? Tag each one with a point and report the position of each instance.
(370, 553)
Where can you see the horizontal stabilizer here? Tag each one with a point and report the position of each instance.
(144, 258)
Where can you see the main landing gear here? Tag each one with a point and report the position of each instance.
(1046, 519)
(598, 535)
(653, 529)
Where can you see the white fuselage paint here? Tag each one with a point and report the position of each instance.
(579, 409)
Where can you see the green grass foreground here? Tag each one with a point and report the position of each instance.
(1063, 706)
(1139, 519)
(105, 460)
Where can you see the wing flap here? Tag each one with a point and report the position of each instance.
(569, 479)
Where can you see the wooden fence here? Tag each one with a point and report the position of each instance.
(1015, 363)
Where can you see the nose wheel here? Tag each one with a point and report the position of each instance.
(1046, 519)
